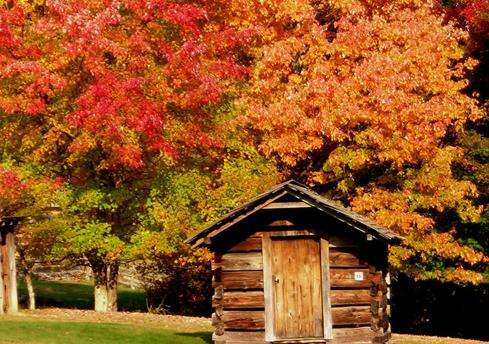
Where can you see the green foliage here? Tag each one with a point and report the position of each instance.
(425, 307)
(176, 279)
(95, 237)
(183, 200)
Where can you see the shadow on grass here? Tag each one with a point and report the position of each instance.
(428, 308)
(205, 336)
(79, 296)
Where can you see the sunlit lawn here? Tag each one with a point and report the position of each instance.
(46, 332)
(29, 330)
(72, 321)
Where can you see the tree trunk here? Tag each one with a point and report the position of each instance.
(105, 284)
(112, 276)
(99, 269)
(10, 274)
(26, 267)
(30, 290)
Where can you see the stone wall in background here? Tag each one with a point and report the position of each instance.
(82, 273)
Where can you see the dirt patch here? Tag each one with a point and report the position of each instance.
(176, 322)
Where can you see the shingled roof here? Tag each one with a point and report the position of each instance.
(307, 196)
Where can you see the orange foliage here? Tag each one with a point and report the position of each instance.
(368, 96)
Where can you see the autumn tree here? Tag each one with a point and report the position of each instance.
(473, 15)
(23, 194)
(39, 237)
(177, 278)
(108, 95)
(365, 100)
(11, 187)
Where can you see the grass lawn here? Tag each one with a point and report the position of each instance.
(64, 326)
(79, 296)
(53, 332)
(75, 323)
(65, 316)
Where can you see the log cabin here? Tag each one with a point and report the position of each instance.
(8, 271)
(291, 266)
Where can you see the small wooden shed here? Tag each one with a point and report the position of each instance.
(8, 272)
(293, 267)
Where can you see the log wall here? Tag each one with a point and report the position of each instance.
(238, 301)
(357, 304)
(360, 311)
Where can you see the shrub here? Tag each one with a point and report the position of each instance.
(178, 283)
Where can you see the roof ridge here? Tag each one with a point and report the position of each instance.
(357, 217)
(316, 200)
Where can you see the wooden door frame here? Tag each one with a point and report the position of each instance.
(270, 336)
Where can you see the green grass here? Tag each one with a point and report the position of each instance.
(17, 330)
(80, 327)
(50, 332)
(79, 296)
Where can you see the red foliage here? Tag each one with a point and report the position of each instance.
(10, 186)
(118, 75)
(476, 15)
(20, 192)
(11, 189)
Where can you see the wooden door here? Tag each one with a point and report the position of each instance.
(297, 288)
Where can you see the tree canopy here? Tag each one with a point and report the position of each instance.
(366, 100)
(142, 120)
(108, 96)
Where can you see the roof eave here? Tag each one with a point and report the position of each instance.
(262, 198)
(301, 192)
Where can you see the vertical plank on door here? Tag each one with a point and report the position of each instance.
(267, 286)
(297, 288)
(327, 318)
